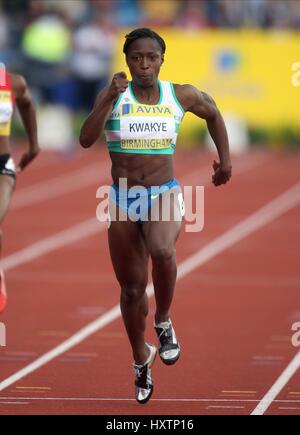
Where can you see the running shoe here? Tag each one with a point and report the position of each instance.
(169, 348)
(143, 381)
(3, 293)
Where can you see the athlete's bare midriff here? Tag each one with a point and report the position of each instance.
(142, 169)
(4, 145)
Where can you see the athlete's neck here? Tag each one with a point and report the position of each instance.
(148, 95)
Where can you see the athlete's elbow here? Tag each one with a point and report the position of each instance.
(214, 114)
(85, 141)
(214, 117)
(85, 144)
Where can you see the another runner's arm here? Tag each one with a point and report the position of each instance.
(95, 122)
(28, 115)
(203, 106)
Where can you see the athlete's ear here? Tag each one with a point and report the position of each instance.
(162, 59)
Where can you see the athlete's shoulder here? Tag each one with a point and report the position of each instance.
(186, 94)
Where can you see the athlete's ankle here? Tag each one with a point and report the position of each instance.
(141, 356)
(161, 318)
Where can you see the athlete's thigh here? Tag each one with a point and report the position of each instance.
(7, 184)
(128, 253)
(163, 229)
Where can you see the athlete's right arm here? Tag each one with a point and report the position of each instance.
(95, 122)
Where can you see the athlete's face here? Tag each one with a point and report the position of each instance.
(144, 60)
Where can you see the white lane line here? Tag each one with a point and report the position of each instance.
(14, 403)
(45, 246)
(257, 220)
(239, 167)
(61, 185)
(254, 222)
(88, 228)
(118, 399)
(278, 386)
(224, 407)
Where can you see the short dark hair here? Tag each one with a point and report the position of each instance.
(143, 33)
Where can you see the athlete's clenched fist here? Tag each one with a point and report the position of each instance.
(119, 84)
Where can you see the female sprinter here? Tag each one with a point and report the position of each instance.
(13, 90)
(141, 119)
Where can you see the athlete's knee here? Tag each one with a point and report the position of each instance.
(131, 294)
(163, 253)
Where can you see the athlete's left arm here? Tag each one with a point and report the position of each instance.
(27, 111)
(202, 105)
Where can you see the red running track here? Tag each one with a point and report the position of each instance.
(233, 308)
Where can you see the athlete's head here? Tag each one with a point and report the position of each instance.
(144, 50)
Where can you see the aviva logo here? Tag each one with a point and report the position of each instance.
(138, 110)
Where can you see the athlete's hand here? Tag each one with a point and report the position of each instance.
(222, 173)
(119, 84)
(27, 158)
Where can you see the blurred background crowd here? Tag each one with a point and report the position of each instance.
(66, 48)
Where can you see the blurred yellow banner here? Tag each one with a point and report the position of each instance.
(248, 73)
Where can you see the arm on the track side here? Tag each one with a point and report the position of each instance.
(28, 115)
(95, 122)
